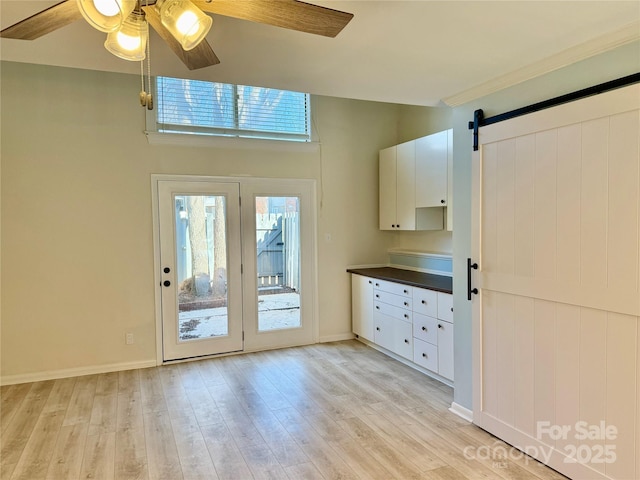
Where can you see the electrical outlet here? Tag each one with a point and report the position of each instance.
(129, 339)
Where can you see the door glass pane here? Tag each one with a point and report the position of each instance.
(201, 262)
(278, 262)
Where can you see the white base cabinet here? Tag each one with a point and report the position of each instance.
(414, 323)
(362, 306)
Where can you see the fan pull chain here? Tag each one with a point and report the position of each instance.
(143, 94)
(149, 95)
(146, 98)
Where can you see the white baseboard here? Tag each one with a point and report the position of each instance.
(336, 338)
(461, 411)
(74, 372)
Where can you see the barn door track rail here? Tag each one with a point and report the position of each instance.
(480, 121)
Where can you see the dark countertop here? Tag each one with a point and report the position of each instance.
(439, 283)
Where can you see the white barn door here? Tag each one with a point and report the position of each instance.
(556, 322)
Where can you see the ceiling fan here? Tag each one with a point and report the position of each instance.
(180, 23)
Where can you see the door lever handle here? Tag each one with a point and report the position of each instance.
(470, 290)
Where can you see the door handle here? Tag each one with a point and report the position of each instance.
(469, 289)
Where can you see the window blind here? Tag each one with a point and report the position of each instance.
(198, 107)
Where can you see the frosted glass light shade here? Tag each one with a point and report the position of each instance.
(129, 43)
(106, 15)
(186, 22)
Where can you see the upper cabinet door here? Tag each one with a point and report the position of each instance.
(450, 180)
(431, 170)
(405, 185)
(387, 194)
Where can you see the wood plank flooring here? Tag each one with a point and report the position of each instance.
(329, 411)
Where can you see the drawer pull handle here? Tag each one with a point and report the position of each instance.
(406, 341)
(424, 355)
(424, 329)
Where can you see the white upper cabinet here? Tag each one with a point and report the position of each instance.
(415, 184)
(388, 188)
(397, 187)
(406, 188)
(431, 170)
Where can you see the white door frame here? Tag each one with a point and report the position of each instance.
(311, 290)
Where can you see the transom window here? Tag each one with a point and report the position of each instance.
(210, 108)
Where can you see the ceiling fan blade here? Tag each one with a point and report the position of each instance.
(44, 22)
(291, 14)
(200, 57)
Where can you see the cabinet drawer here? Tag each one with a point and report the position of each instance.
(445, 307)
(425, 302)
(425, 328)
(391, 287)
(392, 299)
(404, 340)
(393, 311)
(425, 355)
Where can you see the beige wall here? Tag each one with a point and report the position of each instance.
(77, 269)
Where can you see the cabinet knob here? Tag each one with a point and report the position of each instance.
(406, 316)
(452, 309)
(406, 341)
(377, 284)
(442, 201)
(424, 355)
(424, 329)
(398, 225)
(406, 291)
(370, 282)
(406, 304)
(166, 283)
(377, 307)
(377, 296)
(440, 326)
(378, 328)
(424, 302)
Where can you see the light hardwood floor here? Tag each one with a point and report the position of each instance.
(330, 411)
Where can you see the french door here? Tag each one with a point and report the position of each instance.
(556, 322)
(235, 264)
(200, 268)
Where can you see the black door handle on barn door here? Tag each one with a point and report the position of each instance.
(470, 290)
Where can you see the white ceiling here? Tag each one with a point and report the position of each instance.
(410, 52)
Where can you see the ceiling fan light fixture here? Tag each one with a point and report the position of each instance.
(186, 22)
(129, 43)
(106, 15)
